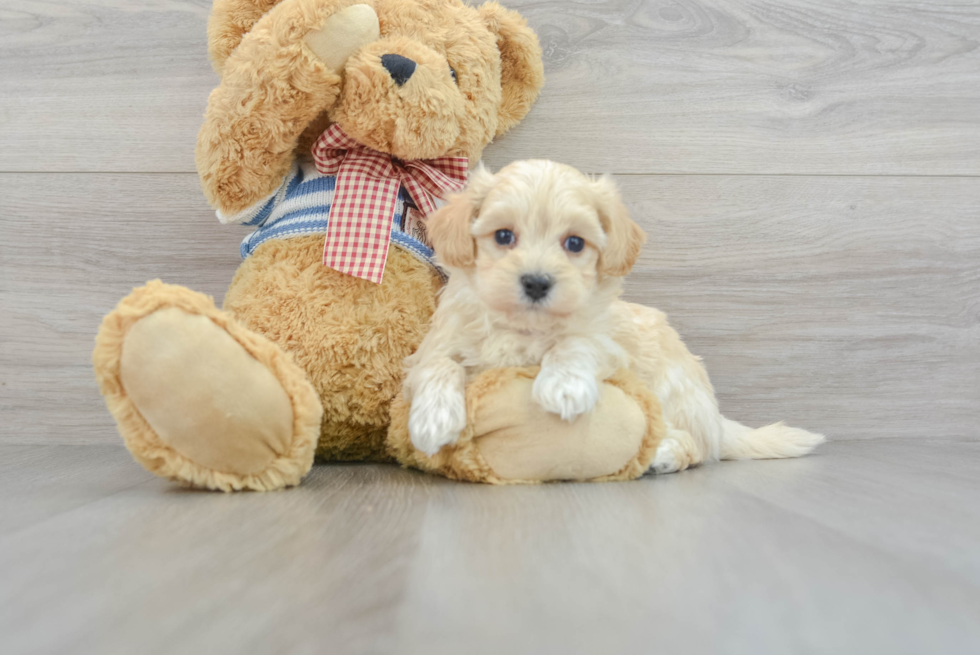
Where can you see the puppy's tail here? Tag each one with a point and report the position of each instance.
(774, 441)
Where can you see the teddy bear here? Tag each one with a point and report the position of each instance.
(337, 126)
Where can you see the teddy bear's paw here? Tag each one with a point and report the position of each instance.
(344, 33)
(201, 399)
(565, 391)
(436, 419)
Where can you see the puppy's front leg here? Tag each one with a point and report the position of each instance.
(438, 412)
(568, 384)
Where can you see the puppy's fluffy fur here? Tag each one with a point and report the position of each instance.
(536, 256)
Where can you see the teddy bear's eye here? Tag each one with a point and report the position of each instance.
(452, 71)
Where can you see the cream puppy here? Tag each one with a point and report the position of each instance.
(536, 255)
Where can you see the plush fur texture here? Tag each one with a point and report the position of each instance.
(346, 338)
(576, 234)
(322, 317)
(274, 87)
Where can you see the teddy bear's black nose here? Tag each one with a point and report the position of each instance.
(400, 68)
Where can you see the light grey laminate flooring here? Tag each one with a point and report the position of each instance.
(867, 547)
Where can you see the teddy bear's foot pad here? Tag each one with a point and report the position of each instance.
(203, 394)
(201, 399)
(509, 439)
(521, 441)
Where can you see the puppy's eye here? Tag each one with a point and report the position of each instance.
(452, 71)
(504, 237)
(574, 244)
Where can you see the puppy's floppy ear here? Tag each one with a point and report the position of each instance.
(624, 238)
(521, 67)
(449, 226)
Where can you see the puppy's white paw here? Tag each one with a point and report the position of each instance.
(670, 457)
(435, 420)
(564, 392)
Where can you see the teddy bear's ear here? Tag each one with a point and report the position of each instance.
(230, 20)
(522, 71)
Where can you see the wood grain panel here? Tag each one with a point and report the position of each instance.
(707, 86)
(864, 547)
(750, 86)
(845, 305)
(850, 306)
(102, 85)
(74, 245)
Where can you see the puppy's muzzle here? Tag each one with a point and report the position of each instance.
(536, 286)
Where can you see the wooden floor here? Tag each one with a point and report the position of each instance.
(808, 173)
(868, 547)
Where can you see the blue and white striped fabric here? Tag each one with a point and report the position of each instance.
(301, 206)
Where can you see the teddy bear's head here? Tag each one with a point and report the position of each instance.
(430, 78)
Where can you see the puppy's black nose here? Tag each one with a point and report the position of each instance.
(400, 68)
(536, 287)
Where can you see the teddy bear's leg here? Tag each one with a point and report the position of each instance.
(509, 438)
(200, 399)
(351, 336)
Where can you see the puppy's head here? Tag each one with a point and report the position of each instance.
(538, 237)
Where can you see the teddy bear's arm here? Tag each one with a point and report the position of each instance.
(274, 85)
(258, 213)
(255, 118)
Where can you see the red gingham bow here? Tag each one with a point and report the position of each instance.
(365, 196)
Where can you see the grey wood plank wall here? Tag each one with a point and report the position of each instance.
(808, 174)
